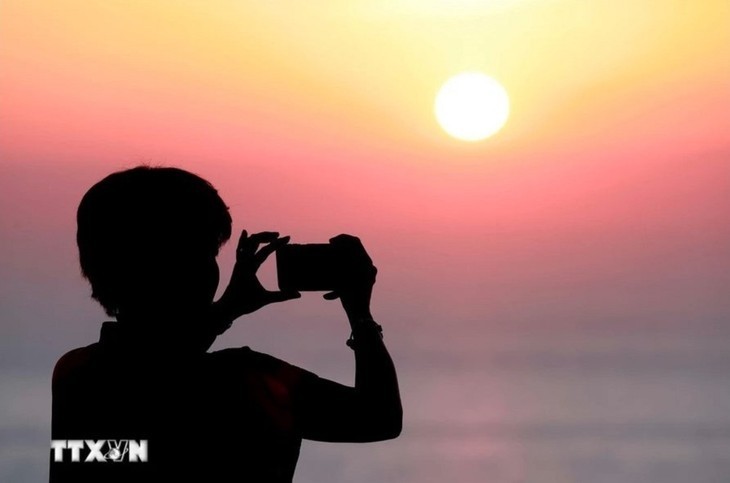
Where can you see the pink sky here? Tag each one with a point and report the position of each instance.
(612, 169)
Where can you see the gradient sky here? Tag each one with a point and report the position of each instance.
(602, 205)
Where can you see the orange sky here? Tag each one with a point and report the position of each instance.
(144, 74)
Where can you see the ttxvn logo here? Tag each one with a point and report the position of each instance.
(101, 450)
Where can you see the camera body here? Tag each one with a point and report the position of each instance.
(307, 267)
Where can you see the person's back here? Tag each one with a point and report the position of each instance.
(223, 415)
(149, 384)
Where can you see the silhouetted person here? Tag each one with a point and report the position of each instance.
(148, 239)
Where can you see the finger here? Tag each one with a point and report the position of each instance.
(243, 243)
(344, 238)
(267, 250)
(330, 296)
(351, 248)
(264, 236)
(348, 243)
(247, 245)
(243, 238)
(275, 297)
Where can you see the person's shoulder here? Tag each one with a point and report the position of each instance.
(245, 355)
(72, 362)
(259, 362)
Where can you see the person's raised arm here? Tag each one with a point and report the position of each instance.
(371, 411)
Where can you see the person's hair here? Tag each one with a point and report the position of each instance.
(132, 218)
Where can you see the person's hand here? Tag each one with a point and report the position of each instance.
(244, 293)
(355, 277)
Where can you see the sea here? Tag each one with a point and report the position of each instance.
(516, 408)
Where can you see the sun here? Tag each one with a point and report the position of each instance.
(471, 106)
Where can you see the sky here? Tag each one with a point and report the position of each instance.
(601, 209)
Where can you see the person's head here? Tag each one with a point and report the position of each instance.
(148, 238)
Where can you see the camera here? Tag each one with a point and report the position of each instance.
(307, 267)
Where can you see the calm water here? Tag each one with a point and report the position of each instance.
(552, 409)
(513, 409)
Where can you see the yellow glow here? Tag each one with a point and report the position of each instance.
(472, 106)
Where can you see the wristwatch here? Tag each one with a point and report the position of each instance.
(361, 330)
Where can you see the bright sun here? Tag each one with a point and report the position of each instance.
(472, 106)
